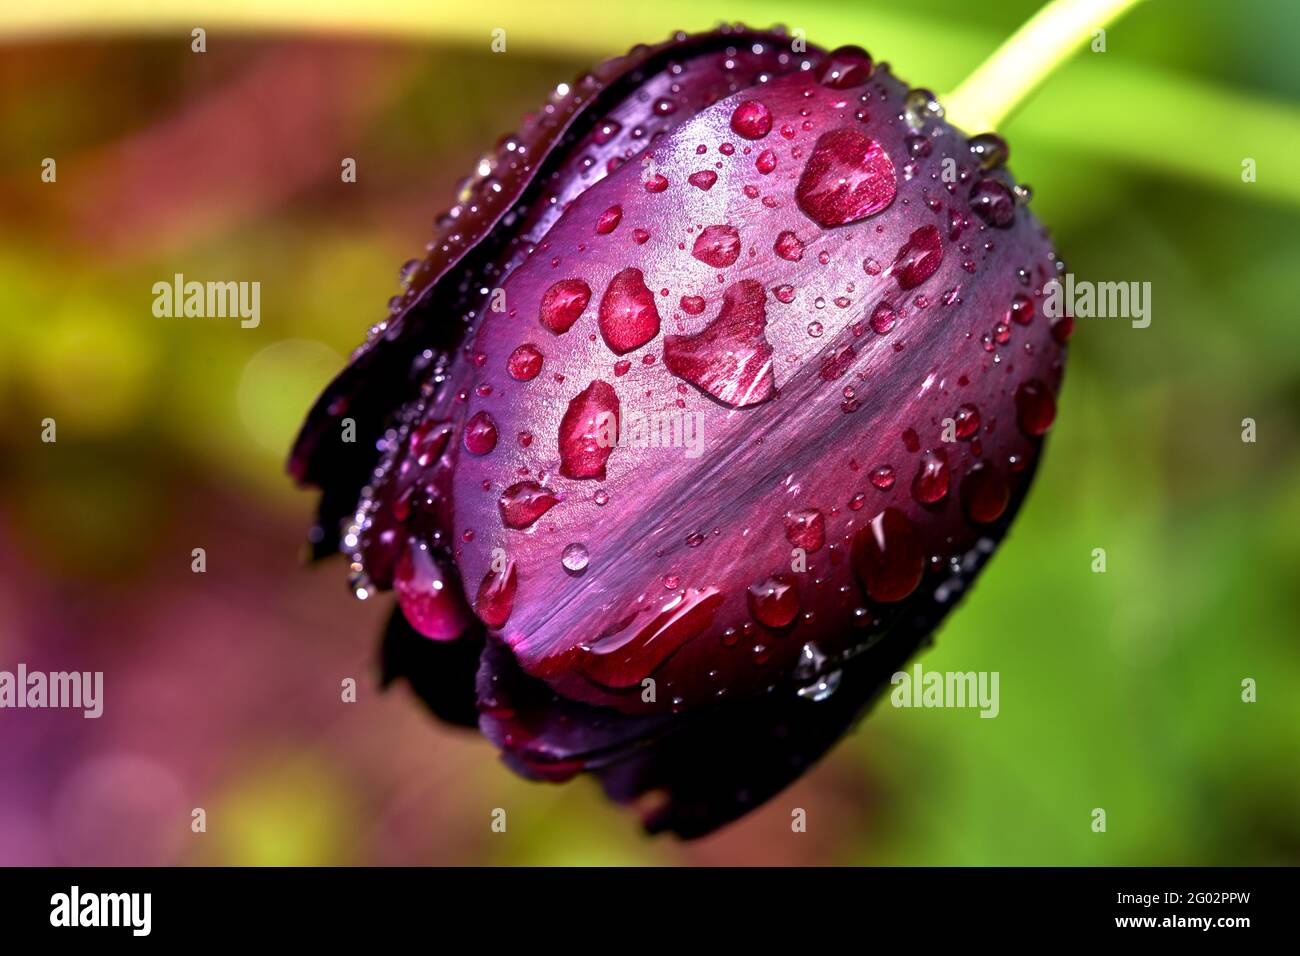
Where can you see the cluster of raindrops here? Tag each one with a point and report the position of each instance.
(844, 177)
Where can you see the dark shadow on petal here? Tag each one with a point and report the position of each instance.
(545, 736)
(725, 763)
(716, 767)
(440, 672)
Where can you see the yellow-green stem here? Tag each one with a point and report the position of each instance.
(1006, 79)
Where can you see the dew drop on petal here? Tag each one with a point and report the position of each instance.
(752, 120)
(848, 177)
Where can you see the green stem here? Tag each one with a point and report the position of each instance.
(1006, 79)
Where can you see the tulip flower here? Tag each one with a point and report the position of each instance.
(719, 384)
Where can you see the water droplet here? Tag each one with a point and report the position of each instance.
(788, 246)
(883, 318)
(806, 529)
(717, 246)
(525, 362)
(589, 431)
(606, 131)
(918, 258)
(844, 67)
(920, 107)
(1035, 408)
(993, 202)
(574, 557)
(752, 120)
(811, 660)
(625, 657)
(407, 272)
(430, 600)
(966, 421)
(480, 434)
(930, 484)
(496, 596)
(984, 494)
(730, 358)
(628, 317)
(609, 220)
(523, 503)
(990, 150)
(848, 177)
(822, 688)
(882, 477)
(692, 304)
(704, 179)
(887, 556)
(774, 601)
(563, 303)
(1022, 309)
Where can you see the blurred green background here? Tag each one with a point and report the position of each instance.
(1119, 690)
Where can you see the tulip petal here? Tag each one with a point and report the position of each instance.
(758, 405)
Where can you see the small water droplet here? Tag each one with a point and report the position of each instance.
(574, 557)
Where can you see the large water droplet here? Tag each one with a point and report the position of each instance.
(625, 657)
(989, 149)
(774, 601)
(523, 503)
(429, 598)
(984, 494)
(1035, 408)
(844, 67)
(717, 246)
(628, 316)
(932, 477)
(992, 201)
(525, 362)
(918, 258)
(752, 120)
(848, 177)
(731, 358)
(589, 431)
(562, 303)
(887, 556)
(496, 596)
(480, 434)
(920, 107)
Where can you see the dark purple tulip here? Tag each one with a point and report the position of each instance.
(793, 254)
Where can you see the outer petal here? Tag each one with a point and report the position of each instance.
(677, 543)
(378, 501)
